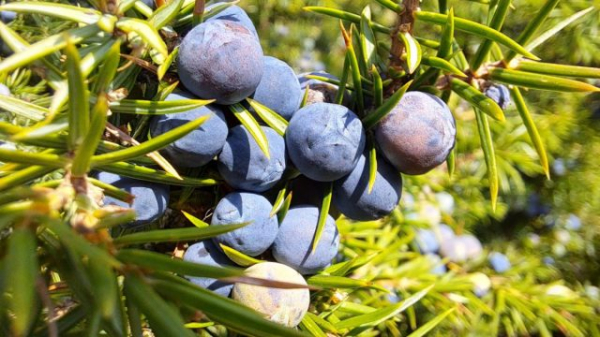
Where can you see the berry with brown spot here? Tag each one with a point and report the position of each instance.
(418, 134)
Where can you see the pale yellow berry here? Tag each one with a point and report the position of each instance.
(284, 306)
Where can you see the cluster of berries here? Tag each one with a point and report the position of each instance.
(325, 142)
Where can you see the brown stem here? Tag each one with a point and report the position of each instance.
(405, 23)
(199, 8)
(127, 139)
(42, 290)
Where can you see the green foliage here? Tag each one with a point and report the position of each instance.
(84, 85)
